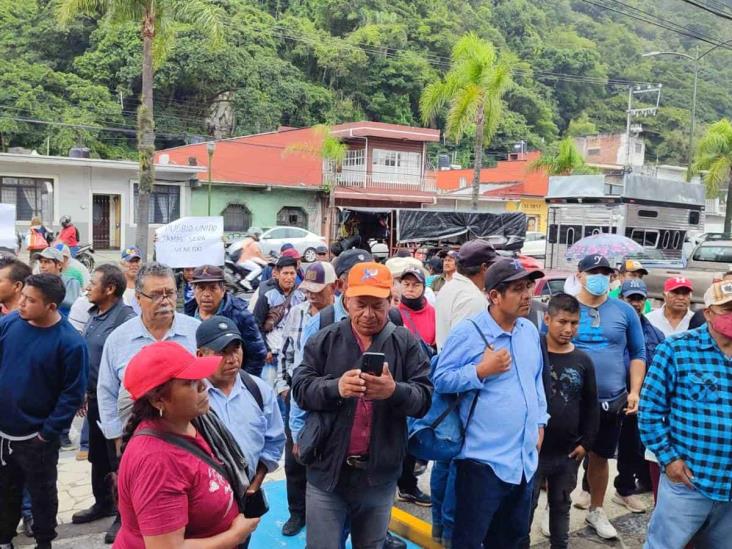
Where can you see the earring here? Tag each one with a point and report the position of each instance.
(161, 412)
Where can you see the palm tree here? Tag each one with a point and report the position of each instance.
(331, 150)
(472, 88)
(158, 20)
(714, 154)
(562, 159)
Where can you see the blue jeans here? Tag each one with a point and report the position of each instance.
(26, 510)
(442, 490)
(680, 512)
(84, 438)
(489, 513)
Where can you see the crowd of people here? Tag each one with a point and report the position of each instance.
(192, 395)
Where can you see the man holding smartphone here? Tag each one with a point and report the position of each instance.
(360, 458)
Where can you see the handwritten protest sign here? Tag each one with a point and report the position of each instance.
(191, 242)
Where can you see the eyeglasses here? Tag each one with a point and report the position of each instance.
(160, 296)
(595, 316)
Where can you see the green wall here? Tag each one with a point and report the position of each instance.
(263, 204)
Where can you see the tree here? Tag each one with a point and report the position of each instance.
(157, 20)
(714, 154)
(473, 88)
(562, 159)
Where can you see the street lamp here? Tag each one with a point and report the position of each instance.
(696, 59)
(210, 147)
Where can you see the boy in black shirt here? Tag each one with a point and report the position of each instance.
(574, 410)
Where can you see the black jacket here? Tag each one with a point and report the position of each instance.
(329, 354)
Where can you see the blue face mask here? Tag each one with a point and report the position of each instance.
(597, 284)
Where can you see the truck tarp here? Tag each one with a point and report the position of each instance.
(422, 225)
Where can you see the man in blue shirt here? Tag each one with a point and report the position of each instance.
(258, 429)
(608, 329)
(686, 421)
(43, 371)
(496, 356)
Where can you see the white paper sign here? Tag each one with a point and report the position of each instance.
(8, 238)
(191, 242)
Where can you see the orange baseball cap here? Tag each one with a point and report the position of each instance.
(369, 279)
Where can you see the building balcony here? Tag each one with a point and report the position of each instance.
(386, 182)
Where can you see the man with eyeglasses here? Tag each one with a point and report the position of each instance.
(156, 293)
(611, 333)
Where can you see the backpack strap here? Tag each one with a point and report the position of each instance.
(186, 445)
(395, 316)
(252, 387)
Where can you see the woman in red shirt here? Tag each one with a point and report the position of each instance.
(417, 314)
(168, 496)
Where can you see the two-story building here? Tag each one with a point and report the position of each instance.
(278, 178)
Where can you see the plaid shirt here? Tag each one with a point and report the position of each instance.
(686, 410)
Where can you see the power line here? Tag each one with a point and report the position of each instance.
(708, 9)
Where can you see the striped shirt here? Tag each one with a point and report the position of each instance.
(686, 410)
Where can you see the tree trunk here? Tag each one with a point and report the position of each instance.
(728, 208)
(478, 154)
(146, 135)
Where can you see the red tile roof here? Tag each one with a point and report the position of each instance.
(263, 159)
(524, 182)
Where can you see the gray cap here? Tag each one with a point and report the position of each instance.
(52, 253)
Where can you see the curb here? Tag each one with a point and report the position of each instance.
(414, 529)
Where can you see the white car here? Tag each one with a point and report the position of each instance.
(272, 240)
(534, 244)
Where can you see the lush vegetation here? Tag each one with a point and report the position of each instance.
(304, 62)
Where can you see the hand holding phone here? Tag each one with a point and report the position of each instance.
(373, 363)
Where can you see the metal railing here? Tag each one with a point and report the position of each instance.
(383, 181)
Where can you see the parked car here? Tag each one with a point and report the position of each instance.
(551, 284)
(706, 265)
(272, 240)
(534, 244)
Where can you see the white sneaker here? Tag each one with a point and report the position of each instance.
(633, 503)
(597, 519)
(545, 522)
(582, 501)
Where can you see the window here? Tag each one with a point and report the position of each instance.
(275, 234)
(713, 252)
(292, 217)
(647, 213)
(31, 197)
(648, 239)
(396, 166)
(639, 148)
(569, 234)
(593, 152)
(237, 218)
(292, 232)
(164, 204)
(694, 218)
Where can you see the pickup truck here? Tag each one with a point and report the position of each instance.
(707, 263)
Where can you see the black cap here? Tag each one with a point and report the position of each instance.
(320, 250)
(508, 270)
(286, 261)
(404, 252)
(216, 333)
(208, 273)
(590, 262)
(416, 273)
(476, 252)
(349, 258)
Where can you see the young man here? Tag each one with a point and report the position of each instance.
(675, 315)
(108, 312)
(610, 332)
(496, 357)
(51, 261)
(686, 421)
(13, 273)
(130, 263)
(574, 415)
(212, 299)
(43, 372)
(248, 409)
(355, 477)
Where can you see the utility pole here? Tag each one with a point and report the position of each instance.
(634, 91)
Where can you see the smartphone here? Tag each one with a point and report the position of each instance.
(256, 505)
(373, 363)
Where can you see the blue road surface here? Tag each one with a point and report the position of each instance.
(269, 533)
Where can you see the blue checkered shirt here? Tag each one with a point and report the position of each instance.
(686, 410)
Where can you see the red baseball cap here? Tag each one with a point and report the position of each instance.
(672, 284)
(162, 361)
(291, 252)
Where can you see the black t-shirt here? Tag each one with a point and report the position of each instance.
(572, 403)
(697, 320)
